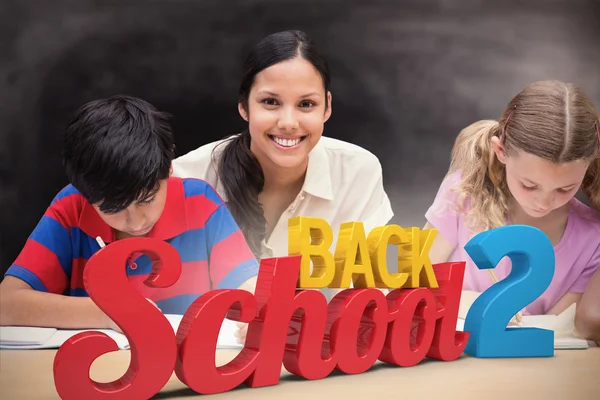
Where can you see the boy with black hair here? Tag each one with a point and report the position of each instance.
(117, 155)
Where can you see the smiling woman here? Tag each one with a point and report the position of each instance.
(282, 166)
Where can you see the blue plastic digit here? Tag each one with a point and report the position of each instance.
(532, 256)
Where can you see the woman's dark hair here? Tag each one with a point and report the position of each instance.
(239, 170)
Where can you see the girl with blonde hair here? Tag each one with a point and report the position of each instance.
(526, 168)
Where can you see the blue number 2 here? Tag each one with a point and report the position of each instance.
(532, 257)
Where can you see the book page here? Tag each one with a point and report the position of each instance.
(563, 326)
(225, 340)
(24, 336)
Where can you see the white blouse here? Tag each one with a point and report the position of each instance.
(343, 183)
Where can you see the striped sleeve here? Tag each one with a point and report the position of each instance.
(231, 262)
(46, 258)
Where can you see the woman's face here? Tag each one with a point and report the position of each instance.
(286, 113)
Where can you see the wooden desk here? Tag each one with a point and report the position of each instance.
(570, 374)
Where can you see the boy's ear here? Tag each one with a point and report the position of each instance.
(498, 149)
(242, 112)
(171, 170)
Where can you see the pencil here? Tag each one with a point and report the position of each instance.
(518, 317)
(100, 242)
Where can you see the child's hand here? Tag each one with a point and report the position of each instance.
(111, 324)
(513, 321)
(241, 332)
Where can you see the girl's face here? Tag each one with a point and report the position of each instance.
(286, 113)
(538, 185)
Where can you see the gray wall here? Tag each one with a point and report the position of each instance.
(407, 76)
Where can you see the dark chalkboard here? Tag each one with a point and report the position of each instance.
(407, 76)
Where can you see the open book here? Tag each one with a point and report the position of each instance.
(30, 338)
(563, 326)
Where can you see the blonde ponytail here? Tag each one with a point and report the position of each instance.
(483, 180)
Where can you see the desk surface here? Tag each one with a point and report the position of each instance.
(570, 374)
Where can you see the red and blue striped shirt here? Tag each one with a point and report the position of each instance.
(195, 221)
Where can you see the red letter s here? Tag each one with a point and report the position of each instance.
(151, 337)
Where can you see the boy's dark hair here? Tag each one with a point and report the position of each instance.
(116, 150)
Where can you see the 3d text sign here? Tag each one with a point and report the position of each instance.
(532, 270)
(296, 328)
(360, 258)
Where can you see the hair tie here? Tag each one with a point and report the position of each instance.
(506, 123)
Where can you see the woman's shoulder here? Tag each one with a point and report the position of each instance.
(198, 162)
(347, 155)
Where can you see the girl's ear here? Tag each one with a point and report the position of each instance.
(498, 149)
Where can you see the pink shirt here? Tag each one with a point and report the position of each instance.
(577, 254)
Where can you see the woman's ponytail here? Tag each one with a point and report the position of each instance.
(243, 180)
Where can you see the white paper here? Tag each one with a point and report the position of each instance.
(30, 338)
(19, 335)
(562, 325)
